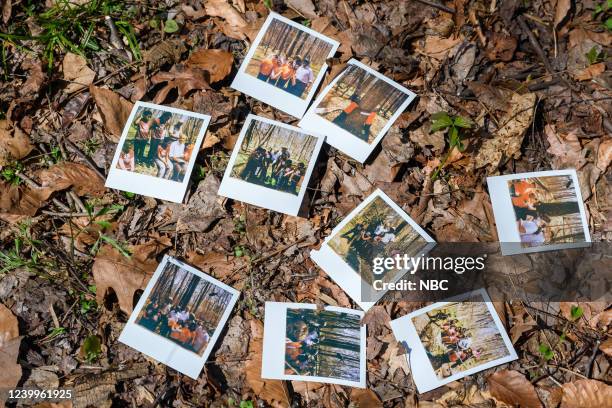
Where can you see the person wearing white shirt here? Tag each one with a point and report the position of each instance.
(303, 78)
(176, 153)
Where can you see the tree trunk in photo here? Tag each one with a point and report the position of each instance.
(558, 209)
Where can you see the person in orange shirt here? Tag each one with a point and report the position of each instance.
(365, 130)
(341, 118)
(267, 66)
(284, 76)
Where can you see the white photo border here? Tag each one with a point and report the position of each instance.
(340, 271)
(505, 218)
(283, 202)
(148, 185)
(275, 333)
(340, 138)
(163, 350)
(422, 371)
(273, 96)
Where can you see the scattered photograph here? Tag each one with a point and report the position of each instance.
(319, 345)
(157, 151)
(285, 64)
(357, 109)
(449, 340)
(377, 228)
(179, 316)
(546, 210)
(271, 165)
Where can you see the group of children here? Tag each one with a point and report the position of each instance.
(294, 75)
(167, 152)
(273, 168)
(176, 323)
(367, 241)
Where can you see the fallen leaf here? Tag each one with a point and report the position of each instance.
(14, 144)
(586, 394)
(501, 47)
(114, 110)
(29, 89)
(396, 357)
(112, 270)
(513, 388)
(365, 398)
(19, 202)
(275, 392)
(81, 178)
(7, 9)
(506, 142)
(304, 7)
(439, 47)
(76, 72)
(203, 208)
(604, 155)
(590, 72)
(222, 8)
(165, 52)
(181, 78)
(9, 349)
(566, 149)
(561, 10)
(216, 264)
(606, 347)
(217, 63)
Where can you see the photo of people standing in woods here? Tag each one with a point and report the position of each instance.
(546, 210)
(273, 156)
(378, 230)
(289, 58)
(361, 103)
(323, 344)
(184, 308)
(459, 336)
(159, 143)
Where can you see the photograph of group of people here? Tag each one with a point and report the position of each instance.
(274, 157)
(546, 210)
(159, 144)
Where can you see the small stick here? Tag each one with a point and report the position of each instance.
(54, 316)
(83, 156)
(438, 6)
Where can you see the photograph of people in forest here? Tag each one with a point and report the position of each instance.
(273, 156)
(376, 231)
(459, 336)
(546, 210)
(323, 344)
(361, 103)
(159, 143)
(184, 308)
(289, 58)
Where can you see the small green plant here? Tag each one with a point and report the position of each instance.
(128, 195)
(268, 4)
(9, 173)
(453, 125)
(602, 10)
(171, 26)
(91, 348)
(246, 404)
(546, 352)
(595, 55)
(576, 312)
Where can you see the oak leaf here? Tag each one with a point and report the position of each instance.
(14, 144)
(114, 110)
(81, 178)
(513, 388)
(217, 63)
(76, 72)
(223, 9)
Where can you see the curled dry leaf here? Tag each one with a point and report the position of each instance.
(365, 398)
(82, 179)
(506, 142)
(9, 349)
(203, 208)
(586, 394)
(114, 110)
(29, 89)
(76, 72)
(112, 270)
(562, 9)
(606, 347)
(223, 9)
(513, 388)
(566, 149)
(590, 72)
(304, 7)
(217, 63)
(275, 392)
(182, 78)
(604, 155)
(14, 144)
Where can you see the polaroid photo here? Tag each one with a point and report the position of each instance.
(322, 345)
(157, 151)
(447, 341)
(271, 165)
(539, 211)
(376, 228)
(285, 65)
(356, 109)
(179, 317)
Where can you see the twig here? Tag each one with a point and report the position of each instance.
(35, 185)
(85, 157)
(592, 359)
(438, 6)
(65, 214)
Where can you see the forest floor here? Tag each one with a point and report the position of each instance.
(533, 77)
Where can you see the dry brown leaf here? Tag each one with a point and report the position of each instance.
(7, 9)
(222, 8)
(561, 10)
(125, 276)
(566, 149)
(604, 154)
(586, 394)
(217, 63)
(32, 85)
(606, 347)
(19, 202)
(275, 392)
(81, 178)
(501, 47)
(439, 47)
(203, 208)
(365, 398)
(590, 72)
(76, 72)
(396, 356)
(114, 110)
(9, 349)
(305, 7)
(513, 388)
(14, 144)
(182, 78)
(507, 141)
(216, 264)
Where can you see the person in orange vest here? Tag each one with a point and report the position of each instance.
(285, 76)
(267, 66)
(341, 118)
(365, 130)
